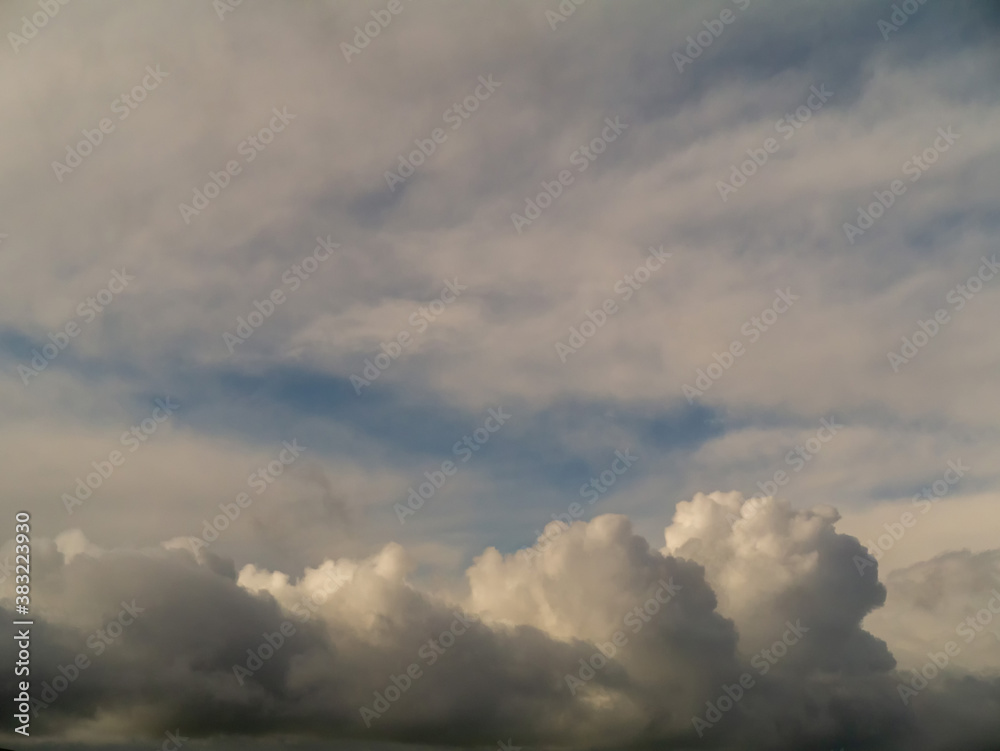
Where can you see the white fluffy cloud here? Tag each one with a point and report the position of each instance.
(730, 582)
(769, 563)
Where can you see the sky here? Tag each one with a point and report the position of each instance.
(558, 375)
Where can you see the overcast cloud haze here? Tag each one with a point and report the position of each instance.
(493, 375)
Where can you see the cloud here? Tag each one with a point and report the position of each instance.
(769, 563)
(533, 618)
(691, 621)
(929, 604)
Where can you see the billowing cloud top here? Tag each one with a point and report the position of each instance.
(587, 638)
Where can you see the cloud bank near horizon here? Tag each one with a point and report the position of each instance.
(749, 624)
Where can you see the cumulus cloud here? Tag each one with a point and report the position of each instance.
(769, 563)
(953, 597)
(515, 655)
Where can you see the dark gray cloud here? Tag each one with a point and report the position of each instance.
(498, 673)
